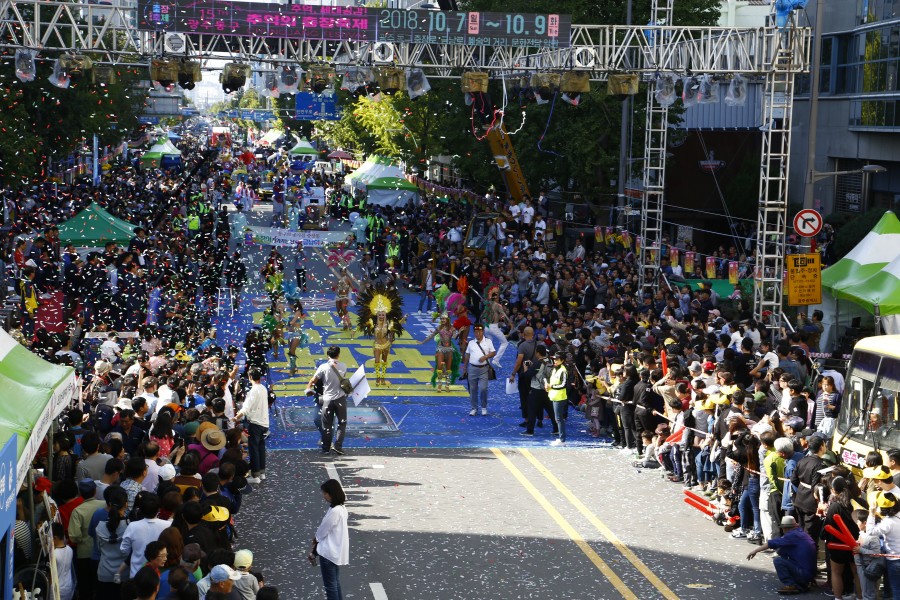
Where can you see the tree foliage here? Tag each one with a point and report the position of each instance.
(38, 119)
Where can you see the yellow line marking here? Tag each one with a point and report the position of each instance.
(606, 531)
(567, 527)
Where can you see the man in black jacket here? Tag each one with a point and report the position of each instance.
(806, 480)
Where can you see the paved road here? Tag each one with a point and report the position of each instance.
(448, 507)
(570, 524)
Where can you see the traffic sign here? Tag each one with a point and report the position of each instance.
(808, 223)
(804, 279)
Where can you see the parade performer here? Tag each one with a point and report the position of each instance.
(346, 283)
(294, 335)
(446, 357)
(381, 317)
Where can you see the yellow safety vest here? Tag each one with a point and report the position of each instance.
(557, 391)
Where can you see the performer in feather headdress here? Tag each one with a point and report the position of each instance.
(381, 317)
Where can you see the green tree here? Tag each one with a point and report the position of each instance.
(39, 118)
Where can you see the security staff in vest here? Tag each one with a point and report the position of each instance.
(556, 389)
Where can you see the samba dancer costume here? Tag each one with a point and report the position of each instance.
(380, 316)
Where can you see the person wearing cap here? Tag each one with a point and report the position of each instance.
(883, 482)
(221, 579)
(555, 386)
(796, 560)
(78, 532)
(887, 506)
(331, 542)
(475, 365)
(247, 586)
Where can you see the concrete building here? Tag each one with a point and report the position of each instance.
(859, 107)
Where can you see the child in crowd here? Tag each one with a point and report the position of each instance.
(649, 461)
(64, 557)
(868, 545)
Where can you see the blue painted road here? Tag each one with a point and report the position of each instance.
(406, 413)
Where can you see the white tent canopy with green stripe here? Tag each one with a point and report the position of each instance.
(853, 278)
(383, 181)
(34, 393)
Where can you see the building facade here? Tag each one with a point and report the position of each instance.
(859, 108)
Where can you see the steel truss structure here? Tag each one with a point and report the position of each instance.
(109, 34)
(655, 149)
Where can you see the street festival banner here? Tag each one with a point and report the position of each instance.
(271, 236)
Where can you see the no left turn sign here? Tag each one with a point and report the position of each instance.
(808, 223)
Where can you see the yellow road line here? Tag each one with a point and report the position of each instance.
(567, 527)
(606, 531)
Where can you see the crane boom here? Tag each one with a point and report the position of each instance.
(505, 157)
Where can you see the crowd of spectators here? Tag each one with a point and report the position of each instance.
(148, 469)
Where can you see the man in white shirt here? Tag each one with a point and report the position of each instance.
(110, 350)
(527, 215)
(540, 227)
(140, 533)
(256, 410)
(334, 400)
(475, 364)
(150, 386)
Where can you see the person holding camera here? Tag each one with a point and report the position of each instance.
(537, 371)
(334, 400)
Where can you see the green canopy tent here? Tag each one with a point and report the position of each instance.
(94, 227)
(844, 280)
(34, 393)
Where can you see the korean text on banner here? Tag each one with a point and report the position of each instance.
(804, 279)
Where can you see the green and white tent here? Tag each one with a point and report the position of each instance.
(864, 278)
(383, 181)
(34, 393)
(152, 158)
(304, 148)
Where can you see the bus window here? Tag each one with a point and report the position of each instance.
(853, 413)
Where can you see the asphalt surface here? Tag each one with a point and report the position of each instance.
(448, 507)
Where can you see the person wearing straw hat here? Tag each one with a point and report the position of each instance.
(796, 560)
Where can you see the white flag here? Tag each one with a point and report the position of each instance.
(360, 385)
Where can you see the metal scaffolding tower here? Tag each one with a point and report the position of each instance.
(773, 184)
(655, 139)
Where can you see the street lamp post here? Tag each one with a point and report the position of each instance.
(867, 171)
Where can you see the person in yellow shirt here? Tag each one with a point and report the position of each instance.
(556, 389)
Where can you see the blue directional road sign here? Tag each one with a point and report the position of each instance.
(317, 107)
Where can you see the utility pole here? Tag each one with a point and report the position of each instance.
(809, 187)
(626, 121)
